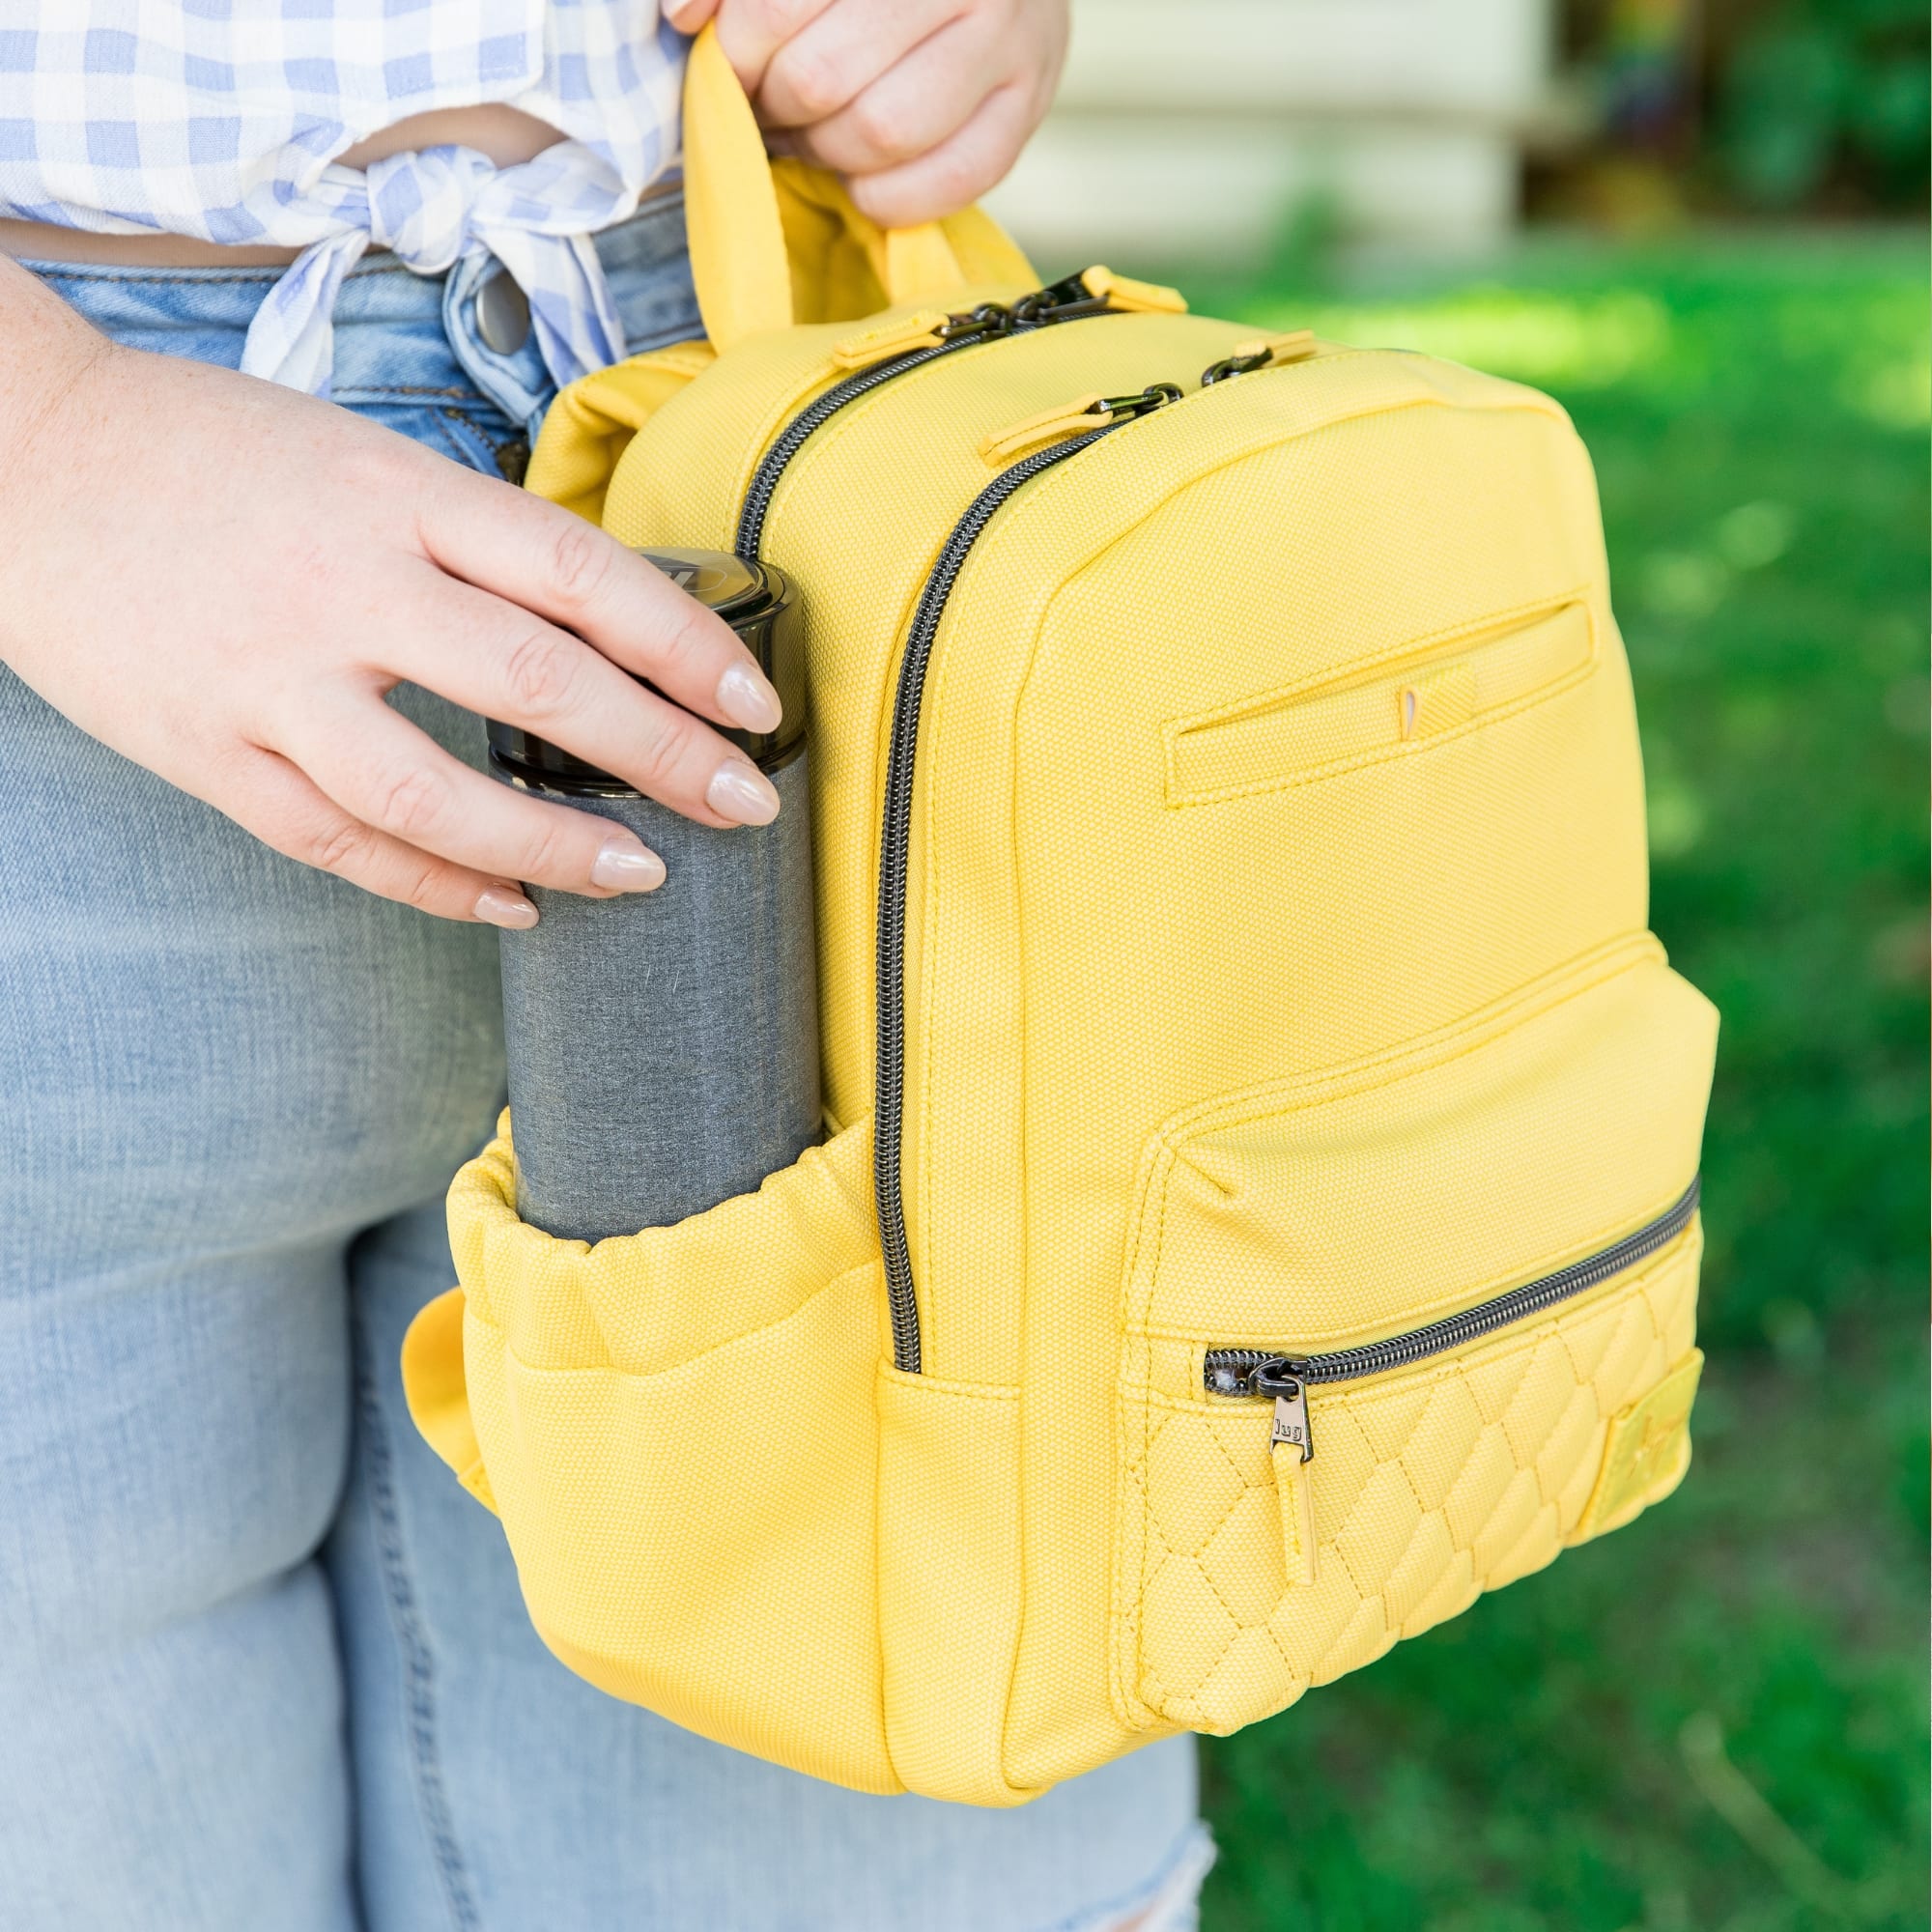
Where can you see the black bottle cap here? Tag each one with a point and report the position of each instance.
(760, 604)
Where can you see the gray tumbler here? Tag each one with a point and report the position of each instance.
(663, 1045)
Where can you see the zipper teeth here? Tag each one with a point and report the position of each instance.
(894, 837)
(765, 479)
(1438, 1338)
(902, 1303)
(773, 464)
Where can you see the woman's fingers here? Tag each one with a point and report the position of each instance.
(749, 32)
(832, 60)
(958, 171)
(285, 810)
(535, 554)
(378, 767)
(688, 15)
(911, 107)
(493, 658)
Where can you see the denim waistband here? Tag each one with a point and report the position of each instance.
(398, 334)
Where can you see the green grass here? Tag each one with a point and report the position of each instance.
(1714, 1721)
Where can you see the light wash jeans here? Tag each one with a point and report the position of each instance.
(263, 1666)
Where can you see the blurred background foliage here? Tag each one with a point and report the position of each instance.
(1742, 106)
(1716, 1721)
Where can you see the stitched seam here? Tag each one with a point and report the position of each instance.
(386, 392)
(475, 458)
(510, 1353)
(1382, 755)
(1543, 994)
(1498, 1347)
(1148, 1517)
(418, 1659)
(922, 1384)
(1394, 1072)
(1493, 627)
(454, 450)
(1469, 1296)
(76, 272)
(1288, 1589)
(1129, 1668)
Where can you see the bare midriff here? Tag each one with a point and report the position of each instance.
(506, 134)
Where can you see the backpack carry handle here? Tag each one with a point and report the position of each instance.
(779, 242)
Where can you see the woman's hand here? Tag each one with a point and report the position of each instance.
(222, 580)
(921, 104)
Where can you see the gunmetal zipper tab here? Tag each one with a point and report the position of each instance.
(1265, 1372)
(1291, 1412)
(1059, 302)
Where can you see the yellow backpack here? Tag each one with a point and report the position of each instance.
(1257, 1211)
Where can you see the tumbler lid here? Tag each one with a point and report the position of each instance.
(721, 582)
(757, 602)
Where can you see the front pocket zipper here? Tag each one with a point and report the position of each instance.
(1288, 1377)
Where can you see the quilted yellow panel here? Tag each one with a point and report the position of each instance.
(1430, 1486)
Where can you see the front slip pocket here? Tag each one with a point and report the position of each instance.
(1465, 1276)
(1419, 696)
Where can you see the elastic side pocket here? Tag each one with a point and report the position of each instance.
(680, 1433)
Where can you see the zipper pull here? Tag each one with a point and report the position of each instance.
(1266, 352)
(928, 328)
(896, 338)
(1122, 292)
(1284, 1379)
(1089, 411)
(1293, 1491)
(1290, 1423)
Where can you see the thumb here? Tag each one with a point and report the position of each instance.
(688, 15)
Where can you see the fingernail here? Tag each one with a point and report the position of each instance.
(623, 865)
(747, 700)
(741, 792)
(498, 905)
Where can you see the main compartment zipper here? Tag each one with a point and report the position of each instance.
(1066, 301)
(1288, 1377)
(895, 840)
(1088, 294)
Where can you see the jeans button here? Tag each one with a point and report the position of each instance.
(502, 314)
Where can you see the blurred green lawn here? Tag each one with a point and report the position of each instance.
(1714, 1721)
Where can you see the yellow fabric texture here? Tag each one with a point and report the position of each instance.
(1277, 977)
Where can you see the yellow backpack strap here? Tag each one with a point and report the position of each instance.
(439, 1395)
(592, 423)
(775, 243)
(983, 250)
(730, 209)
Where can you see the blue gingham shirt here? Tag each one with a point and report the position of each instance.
(222, 119)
